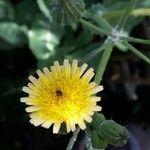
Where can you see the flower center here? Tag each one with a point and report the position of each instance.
(59, 93)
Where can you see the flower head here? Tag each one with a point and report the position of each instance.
(62, 94)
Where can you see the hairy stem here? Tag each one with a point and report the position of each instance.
(136, 40)
(103, 61)
(126, 14)
(137, 52)
(73, 139)
(88, 139)
(94, 28)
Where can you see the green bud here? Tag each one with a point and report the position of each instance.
(66, 12)
(97, 141)
(114, 133)
(98, 118)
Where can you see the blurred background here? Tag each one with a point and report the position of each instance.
(29, 40)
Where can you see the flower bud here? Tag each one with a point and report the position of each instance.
(66, 12)
(98, 118)
(97, 141)
(114, 133)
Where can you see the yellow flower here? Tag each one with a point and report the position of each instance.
(63, 94)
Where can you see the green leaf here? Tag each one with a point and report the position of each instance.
(43, 6)
(12, 34)
(42, 43)
(84, 38)
(26, 10)
(126, 14)
(115, 4)
(44, 37)
(41, 22)
(94, 9)
(112, 10)
(66, 12)
(146, 3)
(6, 11)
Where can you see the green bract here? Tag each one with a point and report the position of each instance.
(97, 120)
(114, 133)
(66, 12)
(97, 141)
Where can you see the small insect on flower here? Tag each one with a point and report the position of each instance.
(62, 94)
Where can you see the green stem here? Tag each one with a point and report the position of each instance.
(88, 139)
(137, 52)
(73, 139)
(44, 9)
(136, 40)
(136, 13)
(126, 14)
(94, 28)
(103, 61)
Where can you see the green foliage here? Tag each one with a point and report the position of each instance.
(97, 11)
(41, 44)
(97, 120)
(6, 11)
(66, 12)
(12, 35)
(27, 26)
(97, 141)
(43, 39)
(33, 26)
(43, 6)
(26, 11)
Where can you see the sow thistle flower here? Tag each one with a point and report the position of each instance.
(62, 94)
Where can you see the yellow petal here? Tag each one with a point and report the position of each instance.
(26, 89)
(88, 118)
(39, 72)
(36, 121)
(88, 74)
(74, 66)
(56, 127)
(33, 79)
(96, 89)
(46, 71)
(97, 108)
(82, 69)
(95, 98)
(24, 99)
(82, 125)
(46, 124)
(32, 109)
